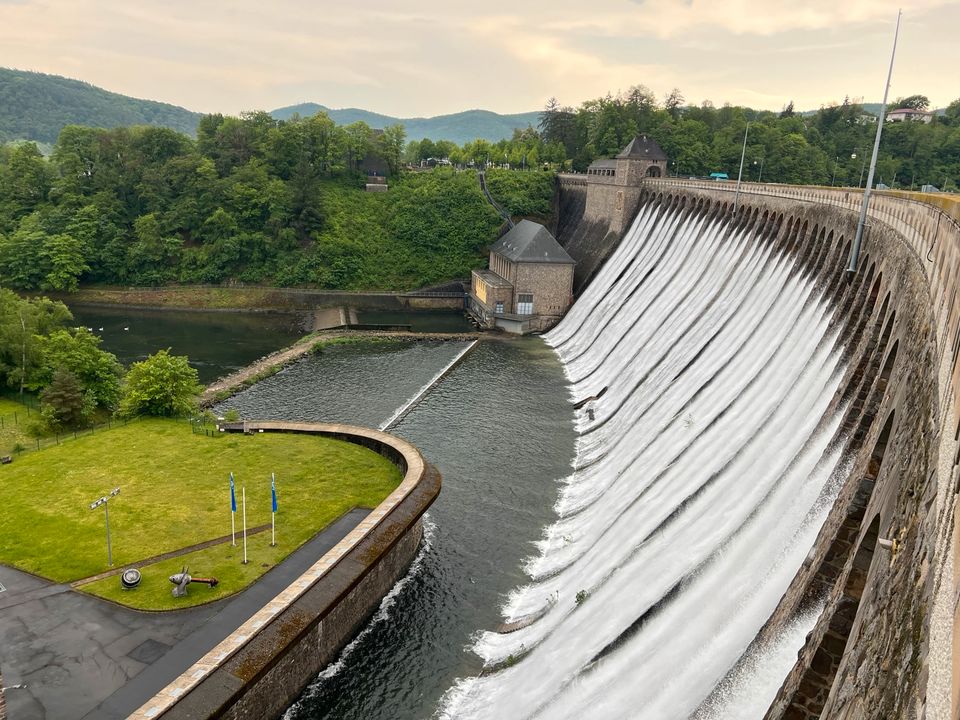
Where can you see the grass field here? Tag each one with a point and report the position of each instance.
(175, 493)
(13, 428)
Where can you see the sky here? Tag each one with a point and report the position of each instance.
(430, 57)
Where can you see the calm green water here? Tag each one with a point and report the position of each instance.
(216, 343)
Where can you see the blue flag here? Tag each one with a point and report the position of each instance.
(233, 496)
(273, 491)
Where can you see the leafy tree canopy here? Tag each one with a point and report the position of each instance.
(163, 384)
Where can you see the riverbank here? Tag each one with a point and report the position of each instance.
(260, 299)
(230, 385)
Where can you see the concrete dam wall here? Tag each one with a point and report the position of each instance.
(760, 518)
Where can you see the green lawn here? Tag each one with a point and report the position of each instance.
(175, 493)
(12, 428)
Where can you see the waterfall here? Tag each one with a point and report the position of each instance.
(706, 463)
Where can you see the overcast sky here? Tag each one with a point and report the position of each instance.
(429, 57)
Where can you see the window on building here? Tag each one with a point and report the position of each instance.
(498, 308)
(524, 304)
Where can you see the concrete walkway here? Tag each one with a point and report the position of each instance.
(81, 657)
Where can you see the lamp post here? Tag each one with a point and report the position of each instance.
(105, 501)
(861, 223)
(743, 154)
(760, 176)
(836, 161)
(863, 166)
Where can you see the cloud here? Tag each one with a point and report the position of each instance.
(433, 56)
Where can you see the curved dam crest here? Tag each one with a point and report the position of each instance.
(727, 377)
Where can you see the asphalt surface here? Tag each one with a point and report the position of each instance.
(81, 657)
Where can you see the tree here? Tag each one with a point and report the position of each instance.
(163, 385)
(788, 110)
(914, 102)
(358, 135)
(78, 351)
(952, 113)
(63, 402)
(63, 256)
(391, 146)
(673, 103)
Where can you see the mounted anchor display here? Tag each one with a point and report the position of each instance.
(181, 579)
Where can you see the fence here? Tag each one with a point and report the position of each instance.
(58, 438)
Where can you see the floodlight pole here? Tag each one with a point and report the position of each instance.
(105, 501)
(855, 250)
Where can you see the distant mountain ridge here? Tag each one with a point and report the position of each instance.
(459, 127)
(36, 106)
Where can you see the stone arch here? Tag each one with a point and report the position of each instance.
(653, 171)
(818, 679)
(884, 378)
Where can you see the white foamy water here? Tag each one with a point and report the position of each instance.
(703, 474)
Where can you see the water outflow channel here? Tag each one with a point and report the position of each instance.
(704, 470)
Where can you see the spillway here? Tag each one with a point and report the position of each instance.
(707, 361)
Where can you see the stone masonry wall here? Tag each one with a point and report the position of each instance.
(550, 284)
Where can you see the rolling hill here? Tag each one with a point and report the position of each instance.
(35, 106)
(460, 127)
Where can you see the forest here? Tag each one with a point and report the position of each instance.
(257, 200)
(828, 147)
(251, 199)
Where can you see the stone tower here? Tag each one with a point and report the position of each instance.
(641, 158)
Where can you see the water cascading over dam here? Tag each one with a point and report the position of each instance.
(709, 361)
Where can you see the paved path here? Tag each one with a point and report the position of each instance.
(81, 657)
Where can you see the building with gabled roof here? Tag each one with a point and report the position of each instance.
(642, 157)
(904, 114)
(529, 284)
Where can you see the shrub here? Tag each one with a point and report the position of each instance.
(163, 384)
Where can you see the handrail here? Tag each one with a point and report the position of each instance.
(496, 206)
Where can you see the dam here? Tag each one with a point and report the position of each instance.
(758, 519)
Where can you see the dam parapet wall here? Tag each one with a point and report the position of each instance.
(880, 574)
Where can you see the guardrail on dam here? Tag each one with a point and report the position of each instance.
(883, 645)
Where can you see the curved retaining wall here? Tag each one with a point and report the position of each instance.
(882, 566)
(263, 666)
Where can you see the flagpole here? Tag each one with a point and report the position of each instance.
(233, 514)
(273, 507)
(244, 524)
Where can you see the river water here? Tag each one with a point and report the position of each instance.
(499, 428)
(217, 343)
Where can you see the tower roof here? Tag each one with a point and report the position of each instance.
(531, 242)
(642, 148)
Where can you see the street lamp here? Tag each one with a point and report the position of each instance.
(105, 501)
(760, 176)
(863, 166)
